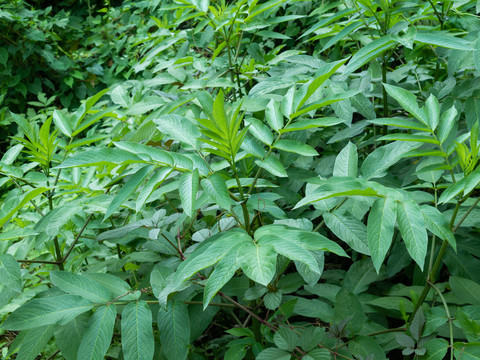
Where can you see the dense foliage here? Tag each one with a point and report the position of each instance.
(239, 179)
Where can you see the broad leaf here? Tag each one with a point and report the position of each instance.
(346, 162)
(77, 284)
(137, 332)
(188, 188)
(412, 227)
(258, 261)
(98, 334)
(174, 328)
(10, 273)
(438, 225)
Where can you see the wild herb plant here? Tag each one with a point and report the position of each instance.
(241, 179)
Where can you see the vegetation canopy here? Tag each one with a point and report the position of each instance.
(247, 179)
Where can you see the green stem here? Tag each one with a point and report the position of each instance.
(450, 324)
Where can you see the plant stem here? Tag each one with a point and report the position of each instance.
(450, 324)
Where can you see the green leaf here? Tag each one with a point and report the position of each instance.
(98, 157)
(438, 225)
(311, 124)
(30, 195)
(47, 311)
(360, 275)
(347, 306)
(188, 188)
(296, 147)
(76, 284)
(322, 103)
(98, 334)
(258, 261)
(466, 290)
(94, 118)
(34, 342)
(452, 190)
(409, 137)
(223, 272)
(86, 106)
(467, 351)
(445, 126)
(378, 161)
(432, 108)
(366, 346)
(62, 122)
(408, 101)
(207, 254)
(216, 188)
(401, 123)
(346, 162)
(260, 131)
(380, 228)
(17, 233)
(348, 229)
(285, 338)
(10, 273)
(272, 165)
(327, 71)
(442, 39)
(116, 286)
(412, 227)
(174, 328)
(368, 53)
(128, 189)
(69, 336)
(137, 332)
(273, 354)
(274, 115)
(178, 128)
(436, 349)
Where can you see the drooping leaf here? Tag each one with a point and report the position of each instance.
(30, 195)
(188, 188)
(10, 273)
(98, 334)
(380, 228)
(174, 328)
(348, 229)
(47, 311)
(258, 261)
(438, 225)
(76, 284)
(412, 227)
(346, 162)
(295, 147)
(34, 342)
(272, 165)
(216, 188)
(137, 332)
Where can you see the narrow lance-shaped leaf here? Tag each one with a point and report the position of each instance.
(445, 126)
(274, 115)
(98, 335)
(380, 227)
(408, 101)
(128, 189)
(188, 188)
(77, 284)
(137, 332)
(437, 224)
(216, 188)
(32, 194)
(412, 227)
(346, 162)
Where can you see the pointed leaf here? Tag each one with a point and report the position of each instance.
(188, 188)
(32, 194)
(348, 229)
(274, 115)
(296, 147)
(174, 328)
(412, 227)
(98, 335)
(216, 188)
(34, 342)
(258, 261)
(346, 162)
(380, 227)
(10, 273)
(62, 122)
(438, 225)
(76, 284)
(445, 126)
(98, 157)
(137, 332)
(272, 165)
(47, 311)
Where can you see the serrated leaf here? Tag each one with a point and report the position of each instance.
(47, 311)
(188, 188)
(452, 190)
(432, 108)
(273, 300)
(174, 328)
(258, 261)
(76, 284)
(296, 147)
(137, 332)
(380, 228)
(412, 227)
(98, 334)
(285, 338)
